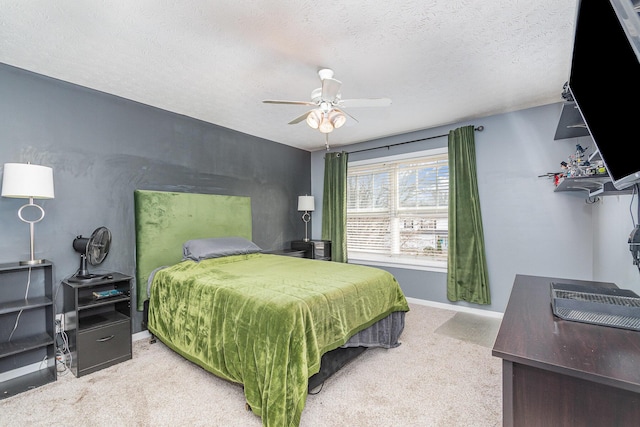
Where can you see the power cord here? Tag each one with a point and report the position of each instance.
(43, 362)
(26, 294)
(633, 194)
(317, 390)
(634, 237)
(592, 200)
(64, 358)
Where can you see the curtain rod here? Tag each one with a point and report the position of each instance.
(479, 129)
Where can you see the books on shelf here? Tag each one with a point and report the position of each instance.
(106, 294)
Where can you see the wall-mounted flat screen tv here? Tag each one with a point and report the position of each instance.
(605, 83)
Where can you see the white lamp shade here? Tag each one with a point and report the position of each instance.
(306, 203)
(25, 181)
(314, 118)
(325, 125)
(337, 118)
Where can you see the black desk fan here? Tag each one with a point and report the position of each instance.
(92, 250)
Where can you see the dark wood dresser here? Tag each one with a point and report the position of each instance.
(564, 373)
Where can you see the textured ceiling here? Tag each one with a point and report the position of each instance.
(440, 61)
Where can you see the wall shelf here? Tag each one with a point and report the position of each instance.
(595, 185)
(570, 123)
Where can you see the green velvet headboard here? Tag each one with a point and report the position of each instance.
(165, 220)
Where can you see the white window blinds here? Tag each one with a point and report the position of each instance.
(397, 211)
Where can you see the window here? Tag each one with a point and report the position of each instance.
(397, 210)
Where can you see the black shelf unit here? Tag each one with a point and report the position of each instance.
(27, 331)
(287, 252)
(314, 249)
(98, 329)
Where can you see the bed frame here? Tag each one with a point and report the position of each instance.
(165, 220)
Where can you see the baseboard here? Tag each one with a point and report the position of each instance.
(23, 370)
(454, 307)
(140, 335)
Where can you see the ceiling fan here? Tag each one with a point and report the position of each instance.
(328, 112)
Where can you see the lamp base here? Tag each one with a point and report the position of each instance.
(32, 262)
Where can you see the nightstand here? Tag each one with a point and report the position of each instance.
(314, 249)
(98, 327)
(287, 252)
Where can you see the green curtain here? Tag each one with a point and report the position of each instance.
(334, 204)
(467, 278)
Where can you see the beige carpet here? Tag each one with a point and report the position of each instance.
(432, 379)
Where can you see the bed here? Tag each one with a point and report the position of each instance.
(269, 322)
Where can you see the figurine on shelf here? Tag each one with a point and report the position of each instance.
(555, 175)
(578, 165)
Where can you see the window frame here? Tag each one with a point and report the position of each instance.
(387, 260)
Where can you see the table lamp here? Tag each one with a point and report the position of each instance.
(306, 204)
(27, 181)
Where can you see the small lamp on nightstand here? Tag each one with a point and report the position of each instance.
(27, 181)
(306, 204)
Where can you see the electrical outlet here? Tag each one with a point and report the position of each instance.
(59, 323)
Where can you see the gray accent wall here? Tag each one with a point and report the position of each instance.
(102, 148)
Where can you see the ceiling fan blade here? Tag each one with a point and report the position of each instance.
(272, 101)
(365, 102)
(330, 89)
(300, 118)
(344, 112)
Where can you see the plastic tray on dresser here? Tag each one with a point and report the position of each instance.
(619, 308)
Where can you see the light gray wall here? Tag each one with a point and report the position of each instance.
(528, 228)
(612, 225)
(102, 148)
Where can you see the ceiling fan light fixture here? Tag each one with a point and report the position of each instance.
(328, 106)
(314, 119)
(325, 125)
(337, 118)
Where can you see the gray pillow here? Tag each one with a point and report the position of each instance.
(216, 247)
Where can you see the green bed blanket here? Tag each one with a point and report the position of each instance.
(265, 320)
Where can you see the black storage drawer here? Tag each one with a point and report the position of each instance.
(102, 347)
